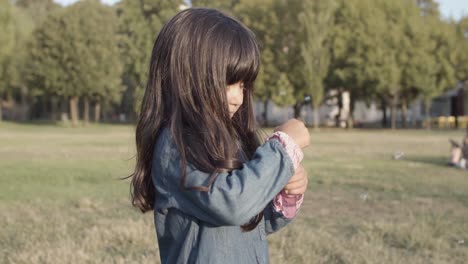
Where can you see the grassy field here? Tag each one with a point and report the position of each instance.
(61, 200)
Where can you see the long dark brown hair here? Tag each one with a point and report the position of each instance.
(197, 54)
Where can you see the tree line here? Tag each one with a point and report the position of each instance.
(90, 59)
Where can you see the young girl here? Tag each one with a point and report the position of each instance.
(215, 190)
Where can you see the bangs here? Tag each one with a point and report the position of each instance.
(243, 58)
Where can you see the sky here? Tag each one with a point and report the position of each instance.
(453, 8)
(449, 8)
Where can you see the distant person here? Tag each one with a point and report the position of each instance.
(459, 153)
(215, 189)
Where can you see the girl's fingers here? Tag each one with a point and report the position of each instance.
(301, 190)
(297, 184)
(298, 190)
(297, 187)
(298, 175)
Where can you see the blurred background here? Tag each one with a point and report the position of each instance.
(399, 63)
(382, 84)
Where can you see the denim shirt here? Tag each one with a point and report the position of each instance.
(204, 227)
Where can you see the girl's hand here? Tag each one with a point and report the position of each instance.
(298, 182)
(297, 131)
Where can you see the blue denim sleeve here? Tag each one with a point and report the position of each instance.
(274, 220)
(234, 197)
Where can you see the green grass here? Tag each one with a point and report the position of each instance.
(61, 200)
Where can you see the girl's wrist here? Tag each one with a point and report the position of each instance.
(293, 150)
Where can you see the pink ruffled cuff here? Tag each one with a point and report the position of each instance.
(286, 204)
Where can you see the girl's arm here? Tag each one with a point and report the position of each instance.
(288, 205)
(274, 220)
(284, 207)
(234, 197)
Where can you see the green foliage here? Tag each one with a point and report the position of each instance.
(428, 7)
(393, 51)
(461, 61)
(436, 72)
(316, 21)
(37, 10)
(28, 15)
(98, 62)
(48, 61)
(7, 41)
(139, 24)
(353, 44)
(265, 85)
(75, 52)
(285, 94)
(276, 78)
(223, 5)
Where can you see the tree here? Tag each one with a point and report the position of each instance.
(266, 81)
(223, 5)
(101, 67)
(316, 21)
(29, 15)
(357, 26)
(419, 62)
(75, 54)
(428, 8)
(7, 42)
(37, 10)
(285, 94)
(461, 62)
(430, 68)
(264, 19)
(443, 40)
(392, 49)
(140, 22)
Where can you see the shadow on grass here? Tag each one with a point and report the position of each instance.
(431, 160)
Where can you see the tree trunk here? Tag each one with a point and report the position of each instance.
(350, 119)
(297, 110)
(265, 113)
(74, 110)
(24, 105)
(54, 102)
(393, 110)
(404, 112)
(316, 116)
(97, 111)
(384, 113)
(86, 110)
(43, 113)
(340, 108)
(427, 113)
(1, 113)
(63, 110)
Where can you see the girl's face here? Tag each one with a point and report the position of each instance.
(235, 97)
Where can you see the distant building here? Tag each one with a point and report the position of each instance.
(453, 102)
